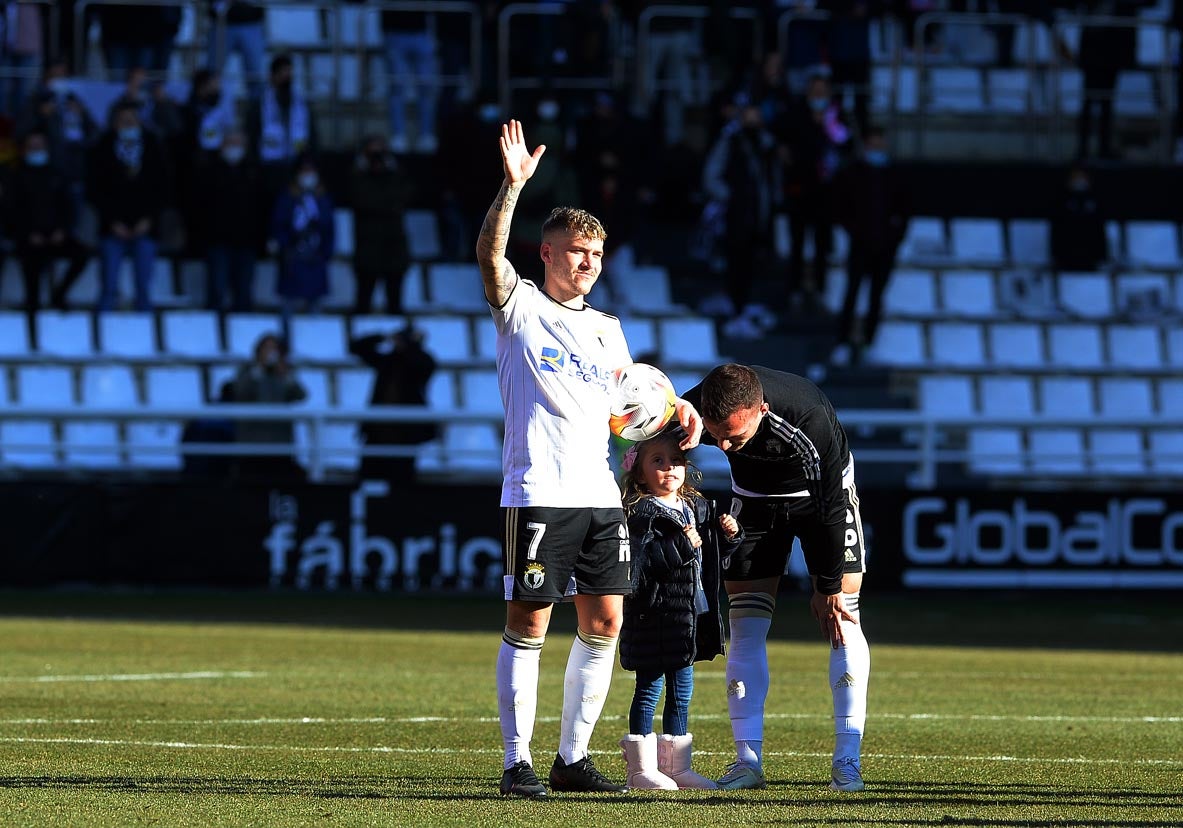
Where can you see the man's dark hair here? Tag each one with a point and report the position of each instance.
(281, 61)
(730, 388)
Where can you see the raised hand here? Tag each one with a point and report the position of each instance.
(517, 159)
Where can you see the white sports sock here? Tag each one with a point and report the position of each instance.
(585, 689)
(517, 693)
(747, 672)
(850, 670)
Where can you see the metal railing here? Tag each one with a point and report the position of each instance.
(81, 30)
(508, 84)
(1052, 112)
(925, 450)
(647, 86)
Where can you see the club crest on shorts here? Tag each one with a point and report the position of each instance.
(534, 576)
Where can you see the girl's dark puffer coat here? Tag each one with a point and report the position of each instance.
(661, 630)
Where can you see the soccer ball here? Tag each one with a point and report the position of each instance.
(642, 402)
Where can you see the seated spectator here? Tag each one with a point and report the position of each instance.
(40, 221)
(379, 192)
(227, 197)
(241, 33)
(402, 370)
(302, 230)
(128, 185)
(270, 380)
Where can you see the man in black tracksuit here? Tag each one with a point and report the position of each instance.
(793, 478)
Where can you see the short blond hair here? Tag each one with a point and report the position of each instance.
(575, 221)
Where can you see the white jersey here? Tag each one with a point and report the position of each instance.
(554, 365)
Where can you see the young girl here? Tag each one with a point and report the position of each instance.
(672, 619)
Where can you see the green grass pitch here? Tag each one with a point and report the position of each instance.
(323, 710)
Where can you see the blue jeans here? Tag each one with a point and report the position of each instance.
(248, 41)
(112, 252)
(411, 62)
(679, 686)
(121, 58)
(230, 267)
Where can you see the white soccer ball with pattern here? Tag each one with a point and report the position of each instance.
(642, 402)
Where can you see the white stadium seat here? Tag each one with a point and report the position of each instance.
(924, 241)
(1056, 451)
(423, 235)
(1016, 344)
(968, 293)
(92, 444)
(944, 395)
(898, 343)
(1170, 396)
(355, 387)
(1152, 244)
(481, 392)
(191, 333)
(153, 444)
(1074, 346)
(14, 334)
(170, 386)
(109, 386)
(343, 232)
(956, 343)
(447, 338)
(977, 241)
(995, 451)
(244, 330)
(1166, 451)
(456, 287)
(1134, 346)
(1006, 396)
(318, 338)
(687, 342)
(1066, 397)
(64, 333)
(910, 293)
(128, 335)
(44, 385)
(1030, 242)
(955, 89)
(441, 391)
(641, 335)
(485, 339)
(1086, 295)
(27, 444)
(1125, 397)
(1114, 451)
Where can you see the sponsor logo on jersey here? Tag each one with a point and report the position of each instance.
(558, 361)
(552, 360)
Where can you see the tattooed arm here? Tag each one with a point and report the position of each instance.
(519, 164)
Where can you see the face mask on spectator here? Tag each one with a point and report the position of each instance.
(58, 86)
(131, 133)
(308, 180)
(876, 157)
(233, 154)
(37, 158)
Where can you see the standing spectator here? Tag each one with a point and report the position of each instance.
(40, 221)
(379, 193)
(677, 68)
(402, 369)
(817, 138)
(158, 112)
(463, 192)
(1105, 50)
(302, 229)
(128, 184)
(137, 37)
(65, 121)
(268, 379)
(411, 61)
(206, 120)
(874, 207)
(742, 173)
(227, 198)
(236, 27)
(22, 51)
(280, 128)
(850, 53)
(1078, 238)
(673, 617)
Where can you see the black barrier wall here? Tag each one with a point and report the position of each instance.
(370, 536)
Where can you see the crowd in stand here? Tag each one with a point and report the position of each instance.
(728, 144)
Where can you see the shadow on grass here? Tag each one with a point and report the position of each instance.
(1078, 621)
(1129, 802)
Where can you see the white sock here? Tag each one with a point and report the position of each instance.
(850, 670)
(750, 615)
(585, 689)
(517, 693)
